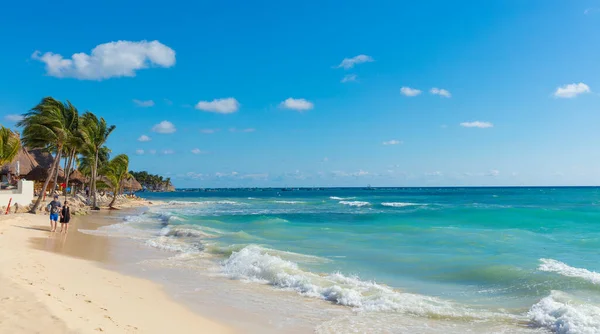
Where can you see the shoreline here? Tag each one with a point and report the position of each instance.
(54, 293)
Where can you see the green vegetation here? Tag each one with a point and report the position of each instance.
(152, 182)
(80, 140)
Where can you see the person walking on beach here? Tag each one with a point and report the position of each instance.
(65, 217)
(54, 209)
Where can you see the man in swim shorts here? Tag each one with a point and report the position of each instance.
(54, 209)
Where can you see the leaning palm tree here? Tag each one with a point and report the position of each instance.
(95, 133)
(10, 144)
(73, 145)
(46, 126)
(116, 172)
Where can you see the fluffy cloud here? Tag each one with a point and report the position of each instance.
(167, 152)
(477, 124)
(221, 106)
(13, 118)
(392, 142)
(493, 172)
(209, 131)
(197, 151)
(139, 152)
(164, 127)
(114, 59)
(572, 90)
(349, 78)
(407, 91)
(440, 92)
(348, 63)
(144, 138)
(247, 130)
(144, 104)
(297, 104)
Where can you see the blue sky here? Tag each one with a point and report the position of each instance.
(253, 93)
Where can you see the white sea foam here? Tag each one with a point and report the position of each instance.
(185, 232)
(355, 203)
(175, 245)
(562, 314)
(289, 202)
(335, 198)
(192, 203)
(399, 204)
(561, 268)
(256, 264)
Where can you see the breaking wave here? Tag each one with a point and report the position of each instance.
(355, 203)
(400, 204)
(562, 314)
(550, 265)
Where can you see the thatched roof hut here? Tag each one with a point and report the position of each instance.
(42, 157)
(131, 185)
(24, 162)
(77, 178)
(40, 173)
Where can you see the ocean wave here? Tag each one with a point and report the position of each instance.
(400, 204)
(355, 203)
(185, 232)
(290, 202)
(335, 198)
(191, 203)
(562, 314)
(256, 264)
(175, 245)
(563, 269)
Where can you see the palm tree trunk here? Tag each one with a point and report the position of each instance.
(94, 175)
(58, 156)
(114, 199)
(68, 170)
(53, 167)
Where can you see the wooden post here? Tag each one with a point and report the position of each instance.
(8, 207)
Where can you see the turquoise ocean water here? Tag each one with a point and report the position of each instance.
(503, 259)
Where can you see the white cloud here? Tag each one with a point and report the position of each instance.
(168, 102)
(209, 131)
(166, 152)
(436, 173)
(349, 78)
(144, 104)
(221, 106)
(193, 175)
(440, 92)
(348, 63)
(164, 127)
(261, 176)
(247, 130)
(114, 59)
(392, 142)
(144, 138)
(139, 152)
(152, 151)
(13, 117)
(493, 172)
(197, 151)
(407, 91)
(572, 90)
(346, 174)
(297, 104)
(477, 124)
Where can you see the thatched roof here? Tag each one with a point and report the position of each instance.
(131, 185)
(40, 173)
(26, 161)
(77, 177)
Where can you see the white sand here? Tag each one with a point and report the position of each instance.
(44, 292)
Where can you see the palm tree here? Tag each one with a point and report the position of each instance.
(116, 172)
(47, 126)
(95, 133)
(73, 145)
(10, 144)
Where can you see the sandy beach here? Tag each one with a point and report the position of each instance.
(46, 292)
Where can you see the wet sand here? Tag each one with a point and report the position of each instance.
(45, 291)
